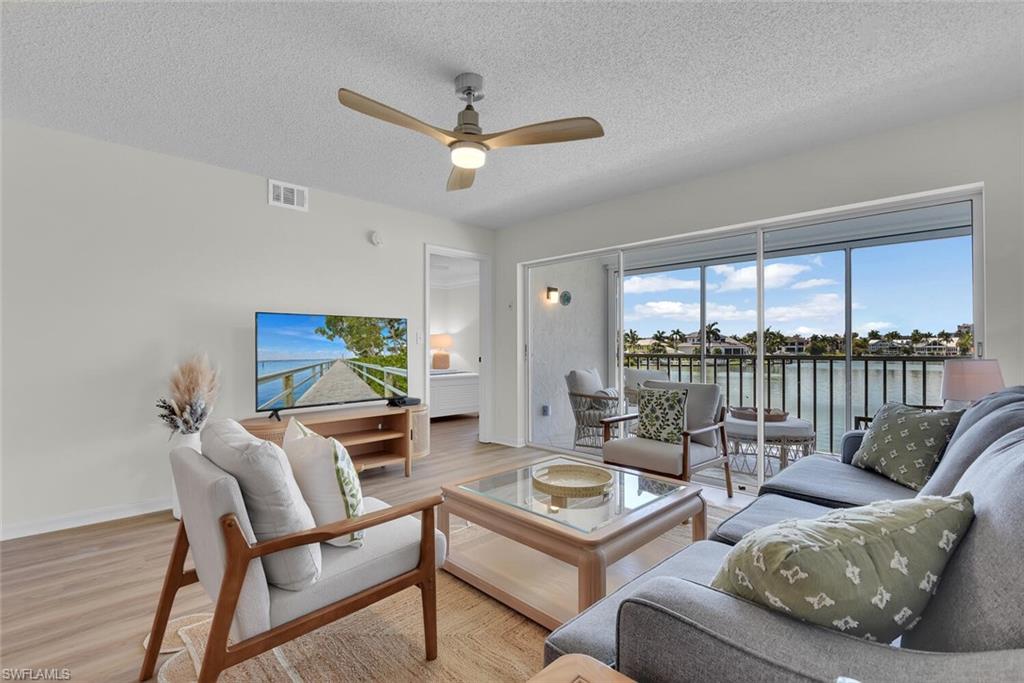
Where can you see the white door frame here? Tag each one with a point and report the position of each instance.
(486, 331)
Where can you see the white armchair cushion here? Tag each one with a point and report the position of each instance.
(656, 456)
(389, 550)
(272, 499)
(584, 381)
(327, 478)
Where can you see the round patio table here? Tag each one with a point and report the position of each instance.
(784, 441)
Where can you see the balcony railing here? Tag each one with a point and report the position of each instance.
(809, 387)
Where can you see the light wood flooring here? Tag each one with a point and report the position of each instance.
(84, 598)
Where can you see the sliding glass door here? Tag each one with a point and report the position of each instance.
(816, 324)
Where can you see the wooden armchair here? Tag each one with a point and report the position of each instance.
(401, 553)
(674, 460)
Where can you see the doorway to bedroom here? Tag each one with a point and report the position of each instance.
(455, 357)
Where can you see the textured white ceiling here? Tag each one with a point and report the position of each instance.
(682, 89)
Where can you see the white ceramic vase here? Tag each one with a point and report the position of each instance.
(177, 441)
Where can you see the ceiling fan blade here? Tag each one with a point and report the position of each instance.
(460, 178)
(377, 110)
(562, 130)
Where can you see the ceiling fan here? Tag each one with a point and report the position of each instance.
(467, 142)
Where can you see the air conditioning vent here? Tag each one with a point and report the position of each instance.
(287, 195)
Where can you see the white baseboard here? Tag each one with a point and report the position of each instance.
(512, 443)
(76, 519)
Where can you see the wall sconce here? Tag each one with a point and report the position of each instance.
(552, 295)
(439, 344)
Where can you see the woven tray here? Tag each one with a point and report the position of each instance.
(572, 481)
(771, 415)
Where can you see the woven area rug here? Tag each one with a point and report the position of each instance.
(479, 639)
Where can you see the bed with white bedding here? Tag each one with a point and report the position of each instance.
(454, 392)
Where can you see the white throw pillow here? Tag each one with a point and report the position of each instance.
(272, 499)
(326, 477)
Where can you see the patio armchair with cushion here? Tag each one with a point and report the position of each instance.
(591, 402)
(703, 445)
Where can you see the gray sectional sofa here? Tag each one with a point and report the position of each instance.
(668, 625)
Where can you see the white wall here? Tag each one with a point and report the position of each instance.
(456, 311)
(565, 338)
(118, 263)
(985, 145)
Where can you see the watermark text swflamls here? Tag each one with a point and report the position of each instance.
(13, 674)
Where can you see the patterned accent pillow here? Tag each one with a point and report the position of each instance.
(905, 444)
(867, 571)
(662, 415)
(327, 478)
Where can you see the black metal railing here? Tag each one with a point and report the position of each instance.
(811, 387)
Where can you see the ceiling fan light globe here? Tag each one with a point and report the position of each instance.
(468, 155)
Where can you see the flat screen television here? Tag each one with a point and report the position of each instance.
(315, 360)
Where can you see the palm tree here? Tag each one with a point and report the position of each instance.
(631, 339)
(916, 336)
(712, 332)
(874, 334)
(944, 335)
(966, 344)
(773, 340)
(677, 336)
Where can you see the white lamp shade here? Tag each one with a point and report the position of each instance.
(968, 379)
(440, 341)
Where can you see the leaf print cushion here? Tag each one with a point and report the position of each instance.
(326, 477)
(906, 444)
(867, 571)
(662, 414)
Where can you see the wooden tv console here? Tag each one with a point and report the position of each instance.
(374, 436)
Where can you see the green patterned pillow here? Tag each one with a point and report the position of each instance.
(905, 444)
(662, 414)
(867, 571)
(327, 478)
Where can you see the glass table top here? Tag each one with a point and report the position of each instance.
(628, 492)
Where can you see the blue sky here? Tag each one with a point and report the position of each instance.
(926, 285)
(285, 336)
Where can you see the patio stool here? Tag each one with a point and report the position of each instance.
(785, 441)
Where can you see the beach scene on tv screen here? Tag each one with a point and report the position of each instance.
(308, 360)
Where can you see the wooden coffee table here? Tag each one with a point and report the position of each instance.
(550, 562)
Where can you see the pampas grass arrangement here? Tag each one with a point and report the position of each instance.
(193, 389)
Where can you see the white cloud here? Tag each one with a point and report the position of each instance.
(879, 325)
(688, 312)
(816, 260)
(806, 331)
(814, 282)
(818, 307)
(645, 284)
(775, 275)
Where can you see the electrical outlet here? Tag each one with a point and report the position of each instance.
(545, 411)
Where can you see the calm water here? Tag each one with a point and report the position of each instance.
(268, 390)
(803, 403)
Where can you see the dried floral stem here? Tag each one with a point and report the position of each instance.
(193, 388)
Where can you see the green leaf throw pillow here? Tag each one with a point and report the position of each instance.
(662, 415)
(866, 571)
(327, 478)
(905, 444)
